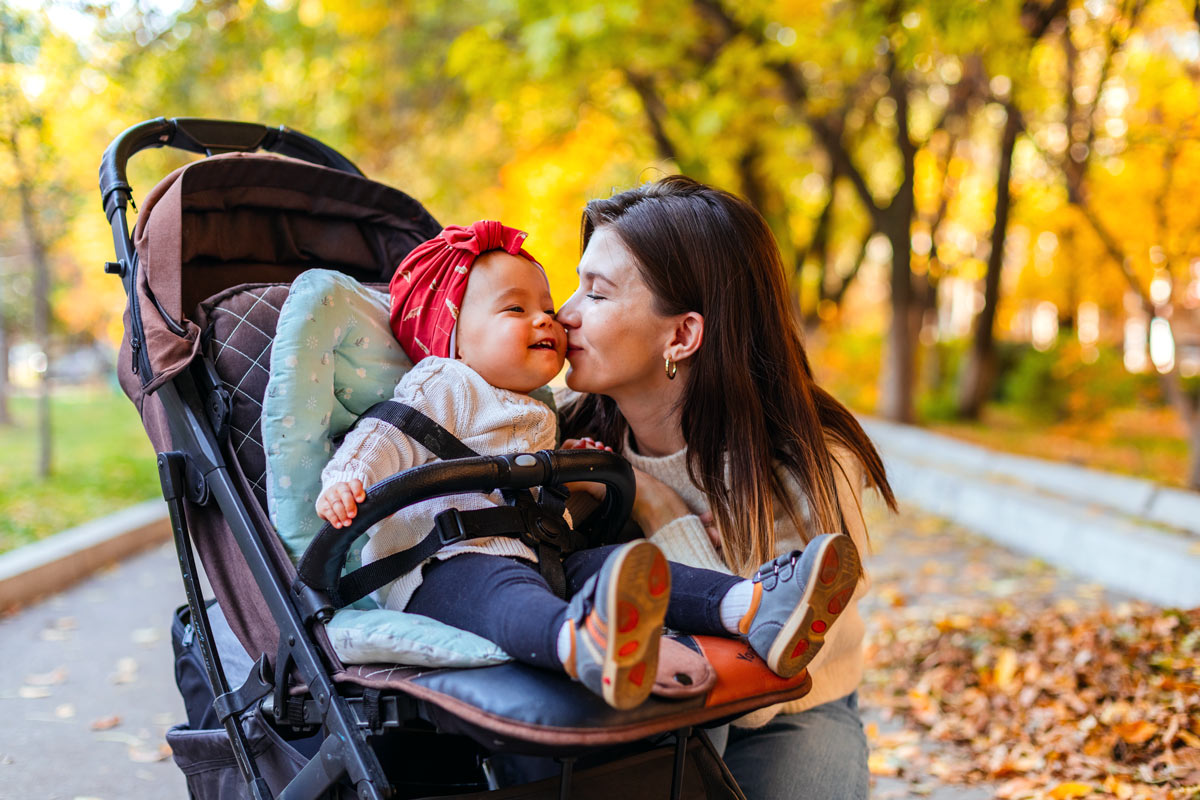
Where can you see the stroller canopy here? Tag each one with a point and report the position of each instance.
(253, 218)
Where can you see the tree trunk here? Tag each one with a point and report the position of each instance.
(41, 308)
(899, 369)
(896, 400)
(980, 369)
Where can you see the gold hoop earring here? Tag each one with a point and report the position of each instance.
(671, 368)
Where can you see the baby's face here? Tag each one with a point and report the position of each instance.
(506, 326)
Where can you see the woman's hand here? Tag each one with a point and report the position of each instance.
(596, 490)
(710, 527)
(655, 504)
(586, 443)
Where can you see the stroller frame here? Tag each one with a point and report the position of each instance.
(197, 470)
(296, 690)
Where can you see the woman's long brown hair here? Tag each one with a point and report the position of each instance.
(750, 403)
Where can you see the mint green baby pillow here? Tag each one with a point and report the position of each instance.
(333, 357)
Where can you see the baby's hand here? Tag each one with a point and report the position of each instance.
(586, 443)
(338, 504)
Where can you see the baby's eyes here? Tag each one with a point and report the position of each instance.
(521, 310)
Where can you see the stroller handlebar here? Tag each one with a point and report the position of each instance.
(321, 565)
(208, 137)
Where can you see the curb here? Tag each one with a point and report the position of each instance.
(1125, 533)
(51, 565)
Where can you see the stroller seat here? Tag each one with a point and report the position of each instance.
(216, 246)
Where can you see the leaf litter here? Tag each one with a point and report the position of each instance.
(996, 670)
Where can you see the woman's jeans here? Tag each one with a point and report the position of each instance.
(506, 600)
(820, 754)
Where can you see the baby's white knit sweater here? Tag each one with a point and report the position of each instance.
(490, 421)
(837, 670)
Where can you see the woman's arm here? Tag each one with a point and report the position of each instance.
(669, 523)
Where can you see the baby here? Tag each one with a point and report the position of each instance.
(473, 311)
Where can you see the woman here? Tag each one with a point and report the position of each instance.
(684, 357)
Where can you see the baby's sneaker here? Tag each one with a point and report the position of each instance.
(616, 623)
(796, 598)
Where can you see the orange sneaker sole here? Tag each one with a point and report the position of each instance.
(635, 618)
(825, 597)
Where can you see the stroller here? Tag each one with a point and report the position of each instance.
(219, 243)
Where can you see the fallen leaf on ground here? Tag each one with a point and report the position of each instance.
(1138, 732)
(1047, 693)
(106, 723)
(126, 672)
(147, 755)
(59, 630)
(881, 764)
(146, 636)
(51, 678)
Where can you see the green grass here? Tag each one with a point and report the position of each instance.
(101, 462)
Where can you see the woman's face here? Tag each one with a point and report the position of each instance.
(615, 338)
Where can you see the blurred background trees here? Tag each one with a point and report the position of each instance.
(987, 207)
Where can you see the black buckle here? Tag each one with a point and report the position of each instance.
(449, 527)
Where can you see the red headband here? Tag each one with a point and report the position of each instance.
(429, 284)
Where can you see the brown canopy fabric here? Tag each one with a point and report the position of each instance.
(255, 218)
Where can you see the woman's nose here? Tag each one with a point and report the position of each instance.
(567, 314)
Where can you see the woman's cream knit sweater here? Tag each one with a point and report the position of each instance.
(837, 669)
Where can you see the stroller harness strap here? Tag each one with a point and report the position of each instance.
(523, 518)
(412, 423)
(450, 526)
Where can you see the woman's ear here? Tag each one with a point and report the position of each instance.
(686, 337)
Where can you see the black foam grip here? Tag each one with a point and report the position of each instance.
(321, 565)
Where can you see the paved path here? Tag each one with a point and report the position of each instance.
(102, 650)
(98, 655)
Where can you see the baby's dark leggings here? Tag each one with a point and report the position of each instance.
(506, 600)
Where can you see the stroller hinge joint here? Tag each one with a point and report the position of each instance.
(218, 402)
(256, 687)
(181, 477)
(313, 604)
